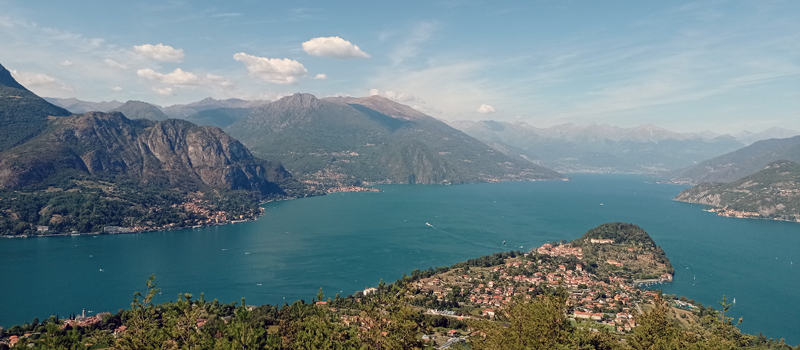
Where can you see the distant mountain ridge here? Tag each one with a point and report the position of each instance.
(141, 110)
(77, 106)
(598, 147)
(373, 140)
(184, 111)
(771, 133)
(740, 163)
(772, 193)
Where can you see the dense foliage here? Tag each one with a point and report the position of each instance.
(379, 321)
(632, 247)
(83, 206)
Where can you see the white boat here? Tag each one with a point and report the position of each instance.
(428, 224)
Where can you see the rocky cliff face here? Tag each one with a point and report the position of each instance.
(109, 144)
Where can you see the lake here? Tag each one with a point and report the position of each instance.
(348, 241)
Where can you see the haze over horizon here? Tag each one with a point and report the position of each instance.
(684, 66)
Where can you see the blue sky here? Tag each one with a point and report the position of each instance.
(724, 66)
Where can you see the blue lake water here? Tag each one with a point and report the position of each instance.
(348, 241)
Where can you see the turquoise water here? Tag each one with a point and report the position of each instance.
(348, 241)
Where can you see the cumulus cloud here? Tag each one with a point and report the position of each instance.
(164, 91)
(485, 109)
(273, 70)
(395, 96)
(114, 64)
(321, 76)
(178, 77)
(182, 79)
(160, 52)
(217, 80)
(66, 63)
(116, 88)
(39, 80)
(333, 47)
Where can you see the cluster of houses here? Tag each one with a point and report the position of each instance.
(199, 207)
(608, 301)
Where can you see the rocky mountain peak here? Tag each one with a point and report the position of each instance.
(298, 101)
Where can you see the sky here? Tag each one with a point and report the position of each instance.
(723, 66)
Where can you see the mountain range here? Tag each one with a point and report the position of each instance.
(740, 163)
(77, 106)
(87, 172)
(599, 148)
(347, 141)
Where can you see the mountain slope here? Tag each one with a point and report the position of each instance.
(23, 115)
(772, 193)
(140, 110)
(740, 163)
(374, 140)
(599, 148)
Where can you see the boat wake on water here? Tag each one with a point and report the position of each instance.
(459, 238)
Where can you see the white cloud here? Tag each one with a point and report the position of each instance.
(181, 78)
(321, 76)
(217, 80)
(333, 47)
(177, 77)
(66, 63)
(395, 96)
(164, 91)
(273, 70)
(117, 88)
(114, 64)
(160, 52)
(485, 109)
(39, 80)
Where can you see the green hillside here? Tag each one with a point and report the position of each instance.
(23, 115)
(373, 140)
(630, 247)
(772, 193)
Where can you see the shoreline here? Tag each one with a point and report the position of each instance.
(732, 213)
(261, 213)
(337, 189)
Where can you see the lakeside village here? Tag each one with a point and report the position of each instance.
(482, 288)
(599, 301)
